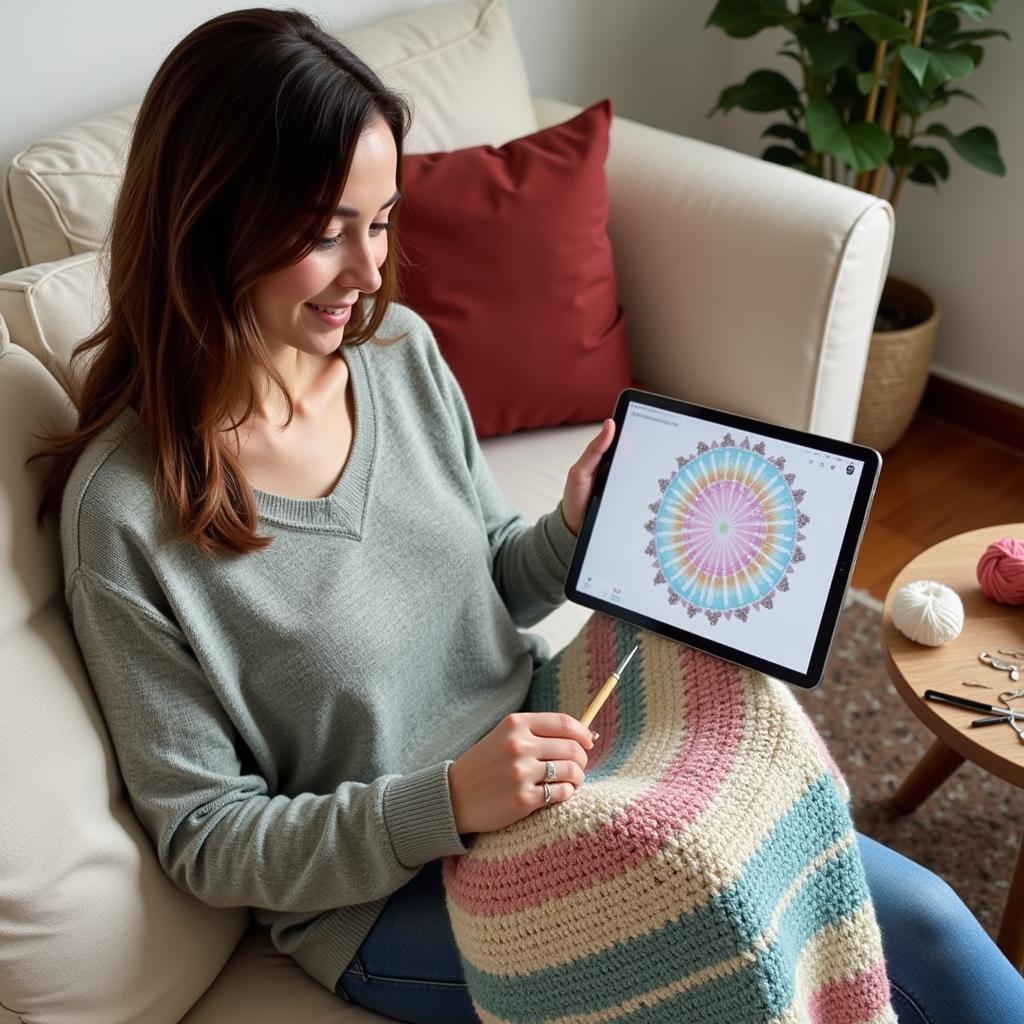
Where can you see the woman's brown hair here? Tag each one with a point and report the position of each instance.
(239, 153)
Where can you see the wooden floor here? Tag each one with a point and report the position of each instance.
(936, 482)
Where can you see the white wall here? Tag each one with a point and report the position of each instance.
(650, 56)
(63, 60)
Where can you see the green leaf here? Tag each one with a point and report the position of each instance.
(878, 19)
(977, 146)
(861, 146)
(974, 53)
(865, 80)
(790, 53)
(976, 9)
(924, 175)
(745, 18)
(762, 91)
(827, 50)
(790, 132)
(905, 155)
(972, 36)
(934, 159)
(943, 23)
(782, 155)
(933, 68)
(886, 8)
(912, 97)
(950, 93)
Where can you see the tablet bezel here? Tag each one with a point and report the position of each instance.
(872, 463)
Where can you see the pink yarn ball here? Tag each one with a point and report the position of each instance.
(1001, 571)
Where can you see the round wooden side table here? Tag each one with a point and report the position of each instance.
(914, 668)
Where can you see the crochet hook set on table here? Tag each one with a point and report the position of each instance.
(995, 713)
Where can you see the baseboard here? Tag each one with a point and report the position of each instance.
(961, 406)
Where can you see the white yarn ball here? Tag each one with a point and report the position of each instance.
(928, 612)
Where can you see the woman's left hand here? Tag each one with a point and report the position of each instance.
(580, 482)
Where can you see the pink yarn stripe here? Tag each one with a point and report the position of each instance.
(851, 1000)
(714, 727)
(602, 659)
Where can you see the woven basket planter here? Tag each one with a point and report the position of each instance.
(897, 368)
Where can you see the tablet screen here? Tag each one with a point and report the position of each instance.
(733, 534)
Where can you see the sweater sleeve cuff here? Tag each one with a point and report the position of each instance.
(561, 538)
(419, 818)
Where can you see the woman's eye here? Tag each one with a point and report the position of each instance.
(375, 230)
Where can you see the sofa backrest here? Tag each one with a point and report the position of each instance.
(458, 63)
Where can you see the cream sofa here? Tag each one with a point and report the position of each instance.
(746, 286)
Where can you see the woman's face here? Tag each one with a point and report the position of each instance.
(306, 306)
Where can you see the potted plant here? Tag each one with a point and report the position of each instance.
(871, 75)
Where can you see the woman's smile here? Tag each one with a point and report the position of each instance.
(334, 319)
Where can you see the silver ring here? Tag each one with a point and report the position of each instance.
(549, 772)
(547, 792)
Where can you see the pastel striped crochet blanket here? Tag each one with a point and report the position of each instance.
(705, 873)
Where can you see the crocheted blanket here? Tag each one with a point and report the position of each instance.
(705, 873)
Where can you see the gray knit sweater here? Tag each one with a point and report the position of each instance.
(284, 721)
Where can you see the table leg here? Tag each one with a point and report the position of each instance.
(937, 764)
(1011, 928)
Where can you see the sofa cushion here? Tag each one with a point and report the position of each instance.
(259, 985)
(50, 307)
(90, 926)
(508, 260)
(458, 63)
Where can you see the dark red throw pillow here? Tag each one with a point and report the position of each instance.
(508, 260)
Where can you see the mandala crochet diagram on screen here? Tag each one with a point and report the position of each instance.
(727, 530)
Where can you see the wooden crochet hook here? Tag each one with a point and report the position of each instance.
(595, 705)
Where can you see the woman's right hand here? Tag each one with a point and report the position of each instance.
(500, 779)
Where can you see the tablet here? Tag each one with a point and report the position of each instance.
(732, 535)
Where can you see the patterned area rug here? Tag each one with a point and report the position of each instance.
(969, 830)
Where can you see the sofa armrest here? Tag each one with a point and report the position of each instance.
(747, 286)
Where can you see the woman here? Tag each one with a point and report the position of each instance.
(255, 374)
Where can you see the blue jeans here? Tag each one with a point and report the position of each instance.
(943, 967)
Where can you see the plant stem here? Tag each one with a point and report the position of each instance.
(892, 91)
(813, 159)
(920, 13)
(876, 71)
(843, 168)
(885, 120)
(898, 184)
(905, 169)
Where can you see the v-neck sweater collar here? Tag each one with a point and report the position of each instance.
(343, 510)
